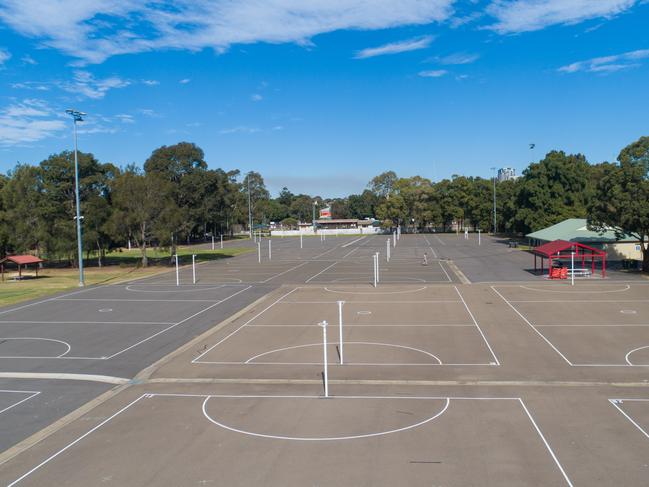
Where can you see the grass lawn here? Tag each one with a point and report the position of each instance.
(118, 266)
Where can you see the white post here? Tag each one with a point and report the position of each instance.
(374, 267)
(394, 238)
(259, 251)
(324, 348)
(572, 268)
(194, 268)
(221, 241)
(340, 330)
(270, 251)
(212, 242)
(479, 238)
(387, 248)
(399, 232)
(177, 275)
(301, 240)
(378, 274)
(129, 244)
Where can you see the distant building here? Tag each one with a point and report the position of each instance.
(506, 173)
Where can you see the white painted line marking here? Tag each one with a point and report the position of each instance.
(67, 345)
(446, 273)
(477, 326)
(616, 402)
(31, 394)
(352, 242)
(632, 351)
(323, 270)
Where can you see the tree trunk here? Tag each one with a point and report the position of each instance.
(145, 260)
(99, 254)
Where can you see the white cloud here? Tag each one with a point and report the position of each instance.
(85, 84)
(148, 112)
(458, 58)
(241, 129)
(150, 82)
(433, 73)
(256, 97)
(93, 30)
(395, 47)
(28, 121)
(31, 85)
(5, 56)
(514, 16)
(125, 118)
(27, 59)
(184, 81)
(608, 64)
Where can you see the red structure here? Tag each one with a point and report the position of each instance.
(20, 260)
(563, 250)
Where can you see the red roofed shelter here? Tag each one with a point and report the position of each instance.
(20, 260)
(562, 249)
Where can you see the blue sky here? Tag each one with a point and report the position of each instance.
(322, 95)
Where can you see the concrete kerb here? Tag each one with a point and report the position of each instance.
(146, 373)
(39, 436)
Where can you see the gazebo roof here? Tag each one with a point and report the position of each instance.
(21, 259)
(551, 249)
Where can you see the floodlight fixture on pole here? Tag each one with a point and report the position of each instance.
(77, 116)
(315, 203)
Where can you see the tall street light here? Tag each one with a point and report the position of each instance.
(494, 170)
(315, 203)
(249, 207)
(77, 116)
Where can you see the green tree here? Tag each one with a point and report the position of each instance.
(383, 184)
(621, 196)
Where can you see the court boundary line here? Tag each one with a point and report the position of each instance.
(616, 402)
(477, 326)
(12, 391)
(527, 414)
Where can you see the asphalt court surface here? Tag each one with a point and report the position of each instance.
(510, 383)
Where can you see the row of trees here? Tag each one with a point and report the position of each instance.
(174, 198)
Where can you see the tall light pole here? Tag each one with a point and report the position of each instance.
(315, 203)
(77, 116)
(494, 170)
(249, 207)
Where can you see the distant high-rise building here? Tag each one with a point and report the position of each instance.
(506, 173)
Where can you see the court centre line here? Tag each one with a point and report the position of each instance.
(176, 324)
(424, 325)
(615, 403)
(44, 301)
(375, 302)
(10, 322)
(352, 242)
(477, 326)
(32, 394)
(547, 445)
(196, 360)
(532, 326)
(323, 270)
(52, 457)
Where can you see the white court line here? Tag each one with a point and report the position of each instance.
(615, 403)
(547, 445)
(323, 270)
(352, 242)
(590, 324)
(439, 240)
(282, 273)
(568, 291)
(333, 398)
(584, 301)
(405, 291)
(45, 300)
(176, 324)
(11, 322)
(67, 345)
(477, 326)
(626, 357)
(401, 324)
(196, 360)
(351, 252)
(447, 276)
(119, 300)
(430, 247)
(387, 303)
(32, 394)
(532, 326)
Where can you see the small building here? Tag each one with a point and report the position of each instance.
(20, 261)
(617, 247)
(342, 223)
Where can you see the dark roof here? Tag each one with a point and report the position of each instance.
(551, 249)
(22, 259)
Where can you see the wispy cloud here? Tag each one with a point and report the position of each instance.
(27, 59)
(433, 73)
(5, 56)
(150, 82)
(125, 118)
(608, 64)
(513, 16)
(458, 58)
(240, 129)
(256, 97)
(184, 81)
(85, 84)
(32, 85)
(28, 121)
(395, 47)
(94, 30)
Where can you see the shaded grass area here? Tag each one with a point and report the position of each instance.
(117, 266)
